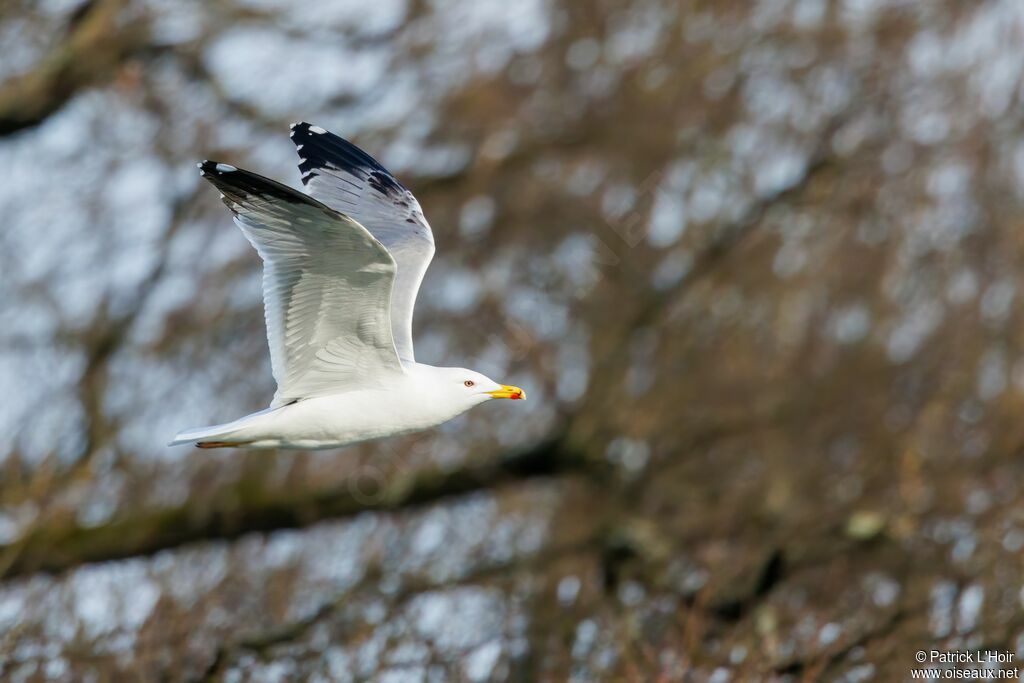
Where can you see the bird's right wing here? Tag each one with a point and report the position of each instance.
(349, 180)
(326, 287)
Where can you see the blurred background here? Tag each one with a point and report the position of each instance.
(757, 264)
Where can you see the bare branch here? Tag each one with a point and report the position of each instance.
(99, 40)
(54, 548)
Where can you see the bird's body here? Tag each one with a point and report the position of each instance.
(341, 419)
(340, 281)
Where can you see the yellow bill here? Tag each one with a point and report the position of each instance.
(508, 391)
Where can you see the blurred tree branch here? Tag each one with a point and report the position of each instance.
(250, 507)
(99, 40)
(264, 640)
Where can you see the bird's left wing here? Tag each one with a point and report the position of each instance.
(326, 287)
(349, 180)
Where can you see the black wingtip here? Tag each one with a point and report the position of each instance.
(215, 168)
(236, 184)
(319, 148)
(302, 128)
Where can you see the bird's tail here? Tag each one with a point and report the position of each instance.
(227, 435)
(217, 436)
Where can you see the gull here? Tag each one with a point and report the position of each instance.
(341, 269)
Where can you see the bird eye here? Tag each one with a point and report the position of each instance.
(469, 383)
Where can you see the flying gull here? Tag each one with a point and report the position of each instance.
(341, 269)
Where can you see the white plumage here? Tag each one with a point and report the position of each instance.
(341, 273)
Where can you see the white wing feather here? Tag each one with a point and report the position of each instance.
(326, 287)
(352, 182)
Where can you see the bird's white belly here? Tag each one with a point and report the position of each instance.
(341, 419)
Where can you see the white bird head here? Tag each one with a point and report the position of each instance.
(469, 388)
